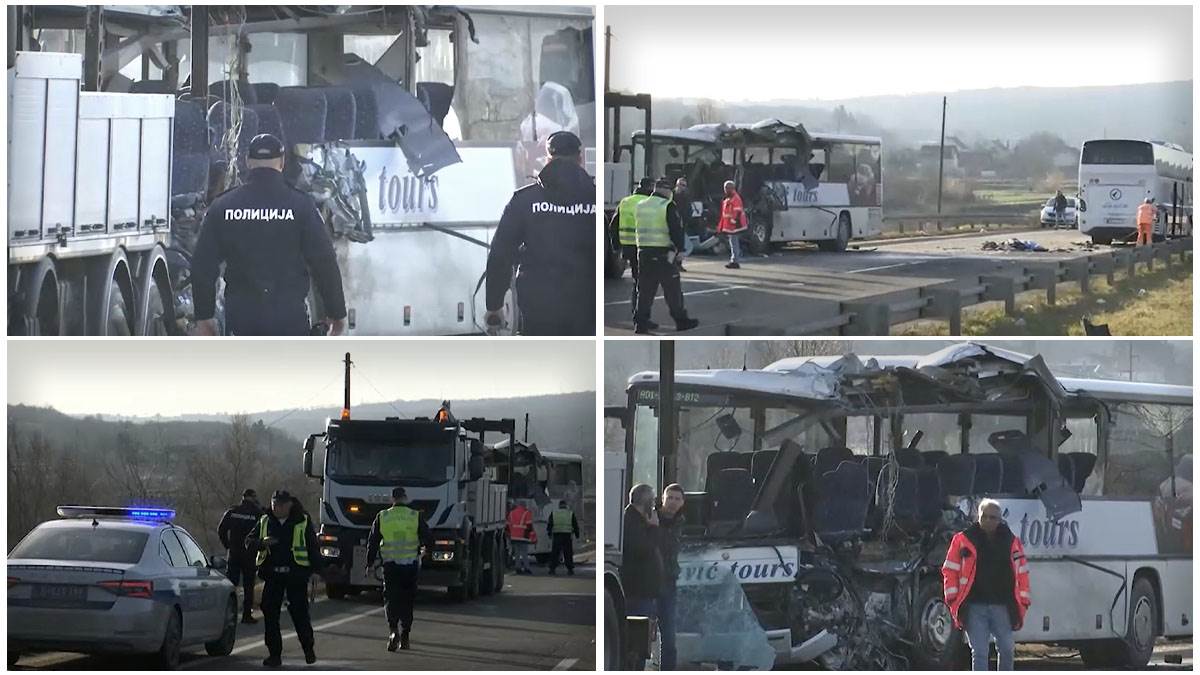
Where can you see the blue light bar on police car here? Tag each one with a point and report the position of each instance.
(132, 513)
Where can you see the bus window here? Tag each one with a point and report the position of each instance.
(436, 62)
(1117, 152)
(841, 163)
(281, 58)
(1142, 441)
(984, 425)
(940, 431)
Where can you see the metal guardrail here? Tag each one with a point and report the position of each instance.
(935, 223)
(946, 300)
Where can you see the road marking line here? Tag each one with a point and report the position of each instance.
(565, 664)
(885, 267)
(547, 594)
(258, 642)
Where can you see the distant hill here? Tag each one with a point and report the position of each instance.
(1161, 111)
(561, 422)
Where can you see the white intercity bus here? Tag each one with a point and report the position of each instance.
(821, 495)
(1116, 175)
(796, 185)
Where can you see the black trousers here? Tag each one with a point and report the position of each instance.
(629, 253)
(399, 593)
(655, 271)
(260, 316)
(241, 572)
(563, 545)
(295, 588)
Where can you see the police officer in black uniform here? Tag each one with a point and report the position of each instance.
(285, 562)
(400, 577)
(270, 237)
(549, 228)
(235, 525)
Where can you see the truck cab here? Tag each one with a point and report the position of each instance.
(440, 462)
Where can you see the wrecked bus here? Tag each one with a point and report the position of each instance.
(797, 185)
(822, 494)
(410, 126)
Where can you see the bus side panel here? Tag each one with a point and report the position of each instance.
(431, 273)
(1072, 596)
(1177, 601)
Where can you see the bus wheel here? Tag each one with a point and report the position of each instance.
(938, 645)
(839, 244)
(760, 236)
(1101, 241)
(335, 591)
(1135, 649)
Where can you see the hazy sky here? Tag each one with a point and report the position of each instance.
(836, 52)
(172, 377)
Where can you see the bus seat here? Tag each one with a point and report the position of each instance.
(909, 458)
(958, 474)
(265, 92)
(340, 115)
(989, 474)
(760, 463)
(695, 512)
(932, 457)
(718, 461)
(874, 465)
(366, 114)
(436, 97)
(189, 168)
(732, 494)
(930, 498)
(905, 503)
(1067, 468)
(223, 89)
(1011, 481)
(841, 501)
(1082, 465)
(829, 458)
(218, 124)
(268, 121)
(302, 113)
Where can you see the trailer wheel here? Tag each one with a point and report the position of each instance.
(1135, 650)
(473, 571)
(40, 312)
(156, 305)
(111, 304)
(612, 634)
(487, 577)
(501, 563)
(938, 645)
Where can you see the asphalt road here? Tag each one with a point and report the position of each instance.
(536, 623)
(799, 285)
(1037, 657)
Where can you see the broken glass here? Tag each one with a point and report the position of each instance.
(723, 629)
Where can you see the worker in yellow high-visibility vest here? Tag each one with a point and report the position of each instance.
(397, 536)
(624, 222)
(287, 555)
(564, 529)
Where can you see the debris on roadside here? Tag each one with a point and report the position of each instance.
(1014, 244)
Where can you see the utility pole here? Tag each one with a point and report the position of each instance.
(346, 390)
(93, 47)
(941, 162)
(526, 427)
(607, 55)
(666, 411)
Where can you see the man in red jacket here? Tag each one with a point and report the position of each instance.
(985, 581)
(522, 535)
(732, 223)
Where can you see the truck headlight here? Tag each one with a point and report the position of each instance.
(443, 556)
(331, 552)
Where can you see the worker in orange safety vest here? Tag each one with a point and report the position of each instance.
(1146, 213)
(522, 535)
(985, 581)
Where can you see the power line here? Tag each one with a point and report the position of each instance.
(306, 405)
(386, 400)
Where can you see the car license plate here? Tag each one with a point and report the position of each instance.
(1114, 221)
(59, 593)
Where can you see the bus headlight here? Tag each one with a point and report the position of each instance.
(443, 556)
(330, 552)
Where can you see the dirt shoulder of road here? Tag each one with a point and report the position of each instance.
(1157, 303)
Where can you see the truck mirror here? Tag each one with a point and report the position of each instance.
(309, 443)
(308, 460)
(475, 467)
(476, 447)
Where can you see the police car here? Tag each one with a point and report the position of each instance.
(117, 580)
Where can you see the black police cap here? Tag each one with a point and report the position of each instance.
(646, 184)
(265, 146)
(249, 492)
(563, 143)
(399, 493)
(282, 496)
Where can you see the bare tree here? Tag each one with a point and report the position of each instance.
(771, 351)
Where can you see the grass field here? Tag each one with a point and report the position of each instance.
(1158, 303)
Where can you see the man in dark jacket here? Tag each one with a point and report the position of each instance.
(641, 558)
(397, 536)
(1060, 209)
(670, 524)
(270, 237)
(549, 230)
(235, 525)
(287, 556)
